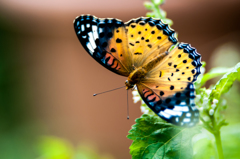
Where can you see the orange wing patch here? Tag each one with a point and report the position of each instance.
(118, 47)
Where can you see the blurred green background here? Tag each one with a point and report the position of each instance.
(47, 80)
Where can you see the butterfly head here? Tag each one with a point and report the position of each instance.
(134, 77)
(128, 85)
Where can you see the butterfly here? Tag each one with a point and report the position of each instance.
(140, 50)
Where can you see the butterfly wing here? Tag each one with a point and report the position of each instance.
(168, 88)
(106, 41)
(123, 47)
(147, 38)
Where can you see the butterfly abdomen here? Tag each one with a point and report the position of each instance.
(140, 72)
(155, 61)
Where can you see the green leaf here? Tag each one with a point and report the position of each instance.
(51, 147)
(153, 139)
(158, 2)
(225, 83)
(148, 5)
(150, 14)
(214, 73)
(86, 151)
(204, 145)
(163, 13)
(231, 141)
(204, 142)
(203, 63)
(55, 148)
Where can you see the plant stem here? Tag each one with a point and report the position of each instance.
(219, 144)
(206, 126)
(157, 10)
(216, 133)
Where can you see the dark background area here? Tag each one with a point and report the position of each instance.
(47, 79)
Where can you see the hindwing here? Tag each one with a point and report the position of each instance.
(168, 88)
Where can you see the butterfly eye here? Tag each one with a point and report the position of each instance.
(128, 84)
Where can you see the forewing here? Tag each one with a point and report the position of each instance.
(106, 41)
(168, 88)
(148, 38)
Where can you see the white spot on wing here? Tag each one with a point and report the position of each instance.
(186, 120)
(188, 114)
(191, 86)
(91, 40)
(101, 30)
(165, 115)
(172, 112)
(181, 109)
(88, 25)
(89, 46)
(183, 103)
(95, 34)
(83, 28)
(177, 119)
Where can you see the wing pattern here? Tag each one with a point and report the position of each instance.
(168, 89)
(147, 38)
(98, 37)
(143, 44)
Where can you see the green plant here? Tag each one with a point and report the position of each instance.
(154, 138)
(50, 147)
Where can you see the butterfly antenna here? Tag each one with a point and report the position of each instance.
(127, 106)
(108, 91)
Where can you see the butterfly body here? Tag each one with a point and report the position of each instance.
(135, 77)
(140, 50)
(139, 73)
